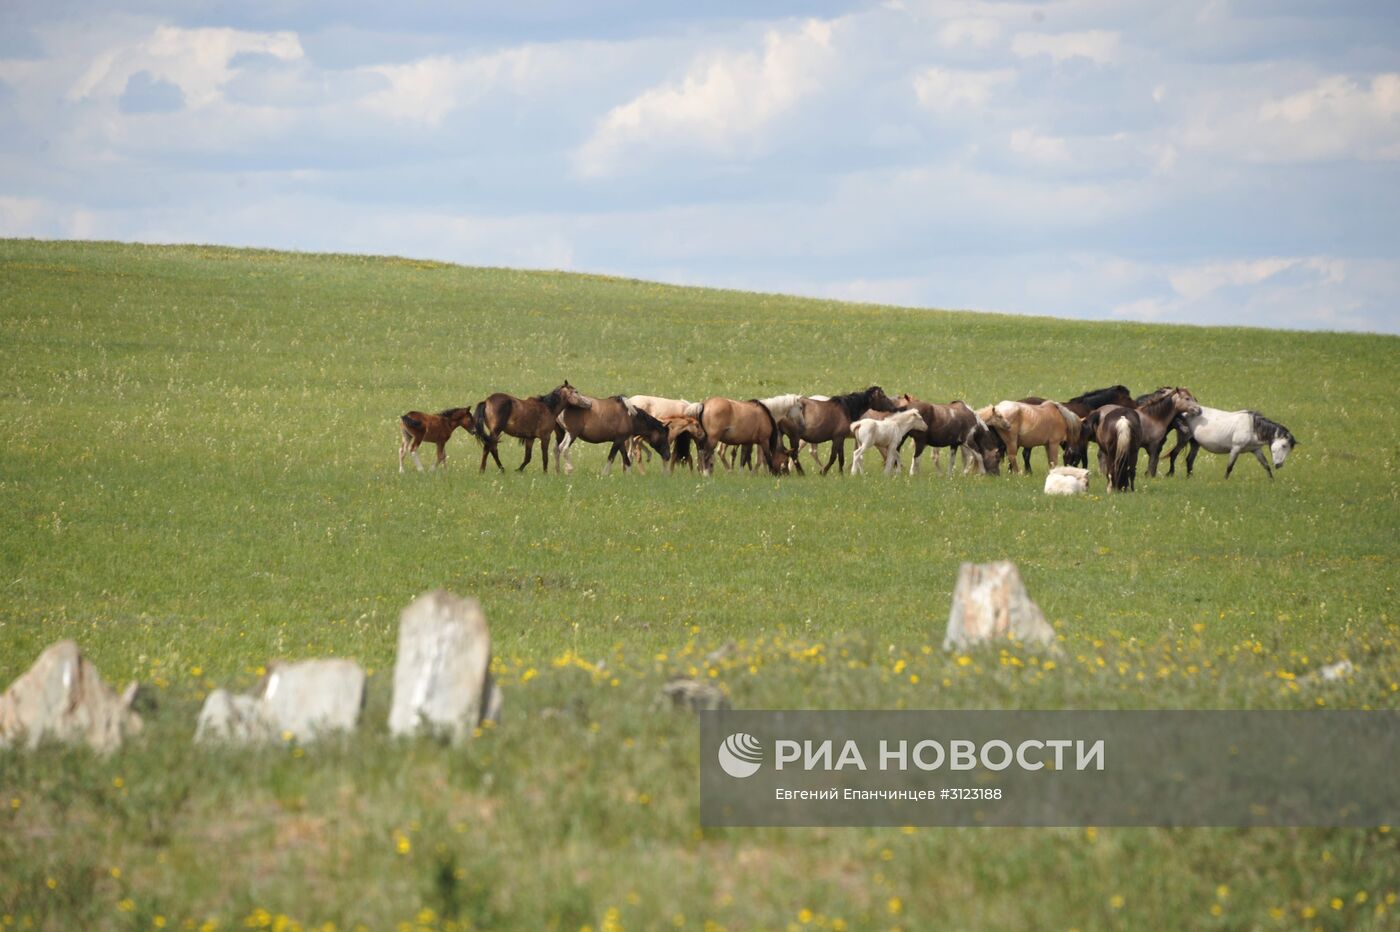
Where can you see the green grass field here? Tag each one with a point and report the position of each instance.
(199, 476)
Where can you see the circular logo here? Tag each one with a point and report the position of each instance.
(740, 755)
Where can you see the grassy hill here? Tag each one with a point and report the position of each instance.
(200, 476)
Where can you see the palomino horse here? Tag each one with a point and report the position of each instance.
(1118, 432)
(1048, 424)
(954, 425)
(529, 419)
(1077, 449)
(610, 420)
(415, 427)
(736, 423)
(830, 419)
(1157, 411)
(1233, 432)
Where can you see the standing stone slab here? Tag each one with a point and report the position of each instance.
(442, 681)
(302, 700)
(64, 698)
(991, 602)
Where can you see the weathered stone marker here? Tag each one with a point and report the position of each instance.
(64, 698)
(442, 679)
(989, 602)
(303, 700)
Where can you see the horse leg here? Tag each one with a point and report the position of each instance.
(1234, 455)
(442, 455)
(565, 454)
(413, 452)
(1026, 456)
(1263, 461)
(892, 461)
(1154, 452)
(1015, 465)
(1052, 455)
(857, 459)
(403, 447)
(529, 449)
(1171, 457)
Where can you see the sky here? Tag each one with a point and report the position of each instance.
(1202, 161)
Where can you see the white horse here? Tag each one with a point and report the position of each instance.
(884, 434)
(1232, 432)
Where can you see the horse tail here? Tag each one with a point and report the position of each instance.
(1071, 422)
(479, 421)
(774, 443)
(1123, 439)
(410, 421)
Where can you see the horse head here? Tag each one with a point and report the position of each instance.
(1185, 402)
(653, 432)
(877, 400)
(571, 398)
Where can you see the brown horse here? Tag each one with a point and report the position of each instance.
(1049, 424)
(529, 419)
(611, 420)
(830, 420)
(1118, 432)
(681, 431)
(416, 426)
(954, 425)
(1157, 412)
(1077, 450)
(736, 423)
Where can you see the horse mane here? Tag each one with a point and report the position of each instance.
(854, 403)
(450, 413)
(1100, 396)
(1269, 430)
(1153, 403)
(550, 399)
(641, 417)
(772, 433)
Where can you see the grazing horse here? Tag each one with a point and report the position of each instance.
(1118, 432)
(610, 420)
(830, 419)
(1048, 424)
(659, 408)
(1233, 432)
(736, 423)
(529, 419)
(1158, 411)
(885, 433)
(953, 425)
(416, 426)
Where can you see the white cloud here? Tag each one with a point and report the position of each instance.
(1097, 45)
(1338, 117)
(945, 89)
(1197, 281)
(194, 60)
(723, 100)
(978, 32)
(1039, 148)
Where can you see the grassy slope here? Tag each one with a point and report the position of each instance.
(199, 477)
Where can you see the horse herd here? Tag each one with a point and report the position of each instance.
(726, 429)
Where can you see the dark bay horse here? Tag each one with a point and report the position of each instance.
(956, 426)
(1159, 411)
(416, 426)
(529, 419)
(830, 420)
(1118, 432)
(611, 420)
(737, 423)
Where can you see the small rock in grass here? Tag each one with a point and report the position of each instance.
(301, 700)
(63, 697)
(990, 602)
(693, 695)
(442, 679)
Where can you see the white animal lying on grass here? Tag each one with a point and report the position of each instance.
(1067, 480)
(884, 435)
